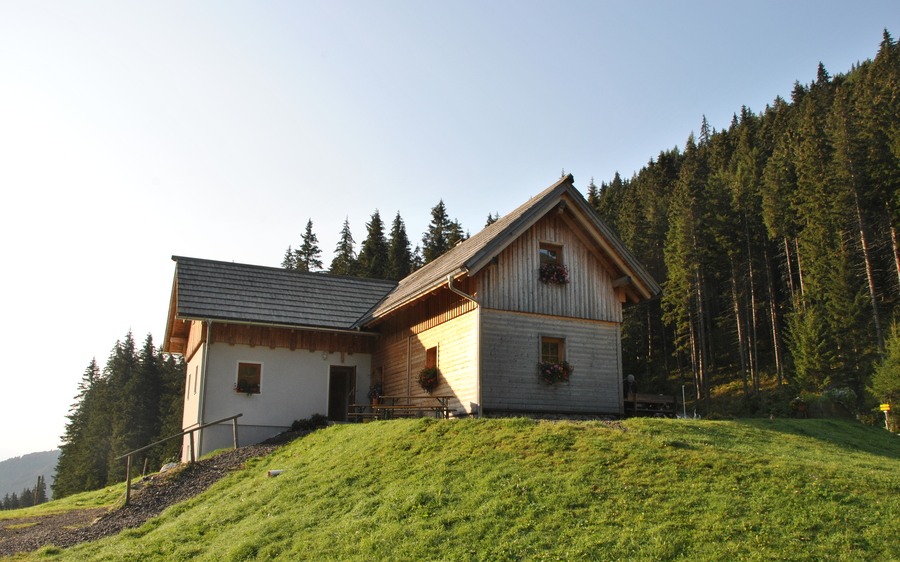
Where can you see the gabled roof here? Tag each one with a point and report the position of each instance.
(239, 293)
(472, 255)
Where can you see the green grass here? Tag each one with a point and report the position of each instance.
(106, 497)
(518, 490)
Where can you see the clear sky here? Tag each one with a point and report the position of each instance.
(134, 131)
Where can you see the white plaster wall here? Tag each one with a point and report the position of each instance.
(294, 385)
(191, 413)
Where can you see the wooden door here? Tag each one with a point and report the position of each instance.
(341, 391)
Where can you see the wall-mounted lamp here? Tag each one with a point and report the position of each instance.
(324, 356)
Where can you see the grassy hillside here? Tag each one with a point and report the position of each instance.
(519, 490)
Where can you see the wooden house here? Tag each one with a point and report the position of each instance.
(544, 284)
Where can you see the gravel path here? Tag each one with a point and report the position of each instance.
(156, 494)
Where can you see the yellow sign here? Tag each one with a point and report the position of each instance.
(885, 407)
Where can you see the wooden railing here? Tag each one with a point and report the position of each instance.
(234, 431)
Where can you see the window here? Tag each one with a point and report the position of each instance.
(196, 378)
(551, 253)
(249, 376)
(553, 350)
(431, 357)
(552, 270)
(553, 367)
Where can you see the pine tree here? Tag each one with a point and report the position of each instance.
(344, 262)
(309, 256)
(456, 234)
(290, 259)
(373, 256)
(26, 498)
(491, 219)
(418, 260)
(171, 407)
(125, 407)
(435, 239)
(131, 403)
(82, 460)
(593, 194)
(400, 262)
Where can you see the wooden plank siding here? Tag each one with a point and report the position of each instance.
(512, 282)
(511, 351)
(401, 355)
(196, 338)
(276, 337)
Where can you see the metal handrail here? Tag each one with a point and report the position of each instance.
(234, 429)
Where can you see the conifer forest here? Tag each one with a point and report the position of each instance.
(136, 399)
(775, 240)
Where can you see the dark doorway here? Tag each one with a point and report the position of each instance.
(341, 391)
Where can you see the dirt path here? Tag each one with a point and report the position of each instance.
(156, 494)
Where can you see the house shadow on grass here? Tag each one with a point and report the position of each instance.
(851, 436)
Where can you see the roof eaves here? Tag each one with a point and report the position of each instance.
(310, 328)
(375, 313)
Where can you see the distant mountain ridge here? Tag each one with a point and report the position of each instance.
(19, 473)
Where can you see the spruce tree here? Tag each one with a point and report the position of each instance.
(290, 259)
(373, 256)
(171, 407)
(26, 498)
(435, 239)
(309, 256)
(344, 262)
(82, 459)
(400, 261)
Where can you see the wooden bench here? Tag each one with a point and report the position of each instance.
(356, 412)
(659, 405)
(407, 406)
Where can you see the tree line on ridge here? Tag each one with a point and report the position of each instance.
(775, 240)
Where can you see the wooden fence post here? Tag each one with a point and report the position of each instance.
(234, 431)
(127, 479)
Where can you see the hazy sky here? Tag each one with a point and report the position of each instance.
(132, 131)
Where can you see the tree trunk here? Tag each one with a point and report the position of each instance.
(773, 313)
(790, 270)
(754, 356)
(864, 241)
(894, 244)
(702, 339)
(739, 323)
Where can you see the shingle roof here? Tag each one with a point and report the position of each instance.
(216, 290)
(471, 255)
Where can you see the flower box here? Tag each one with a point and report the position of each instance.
(552, 373)
(553, 274)
(428, 379)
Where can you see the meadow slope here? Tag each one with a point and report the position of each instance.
(643, 489)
